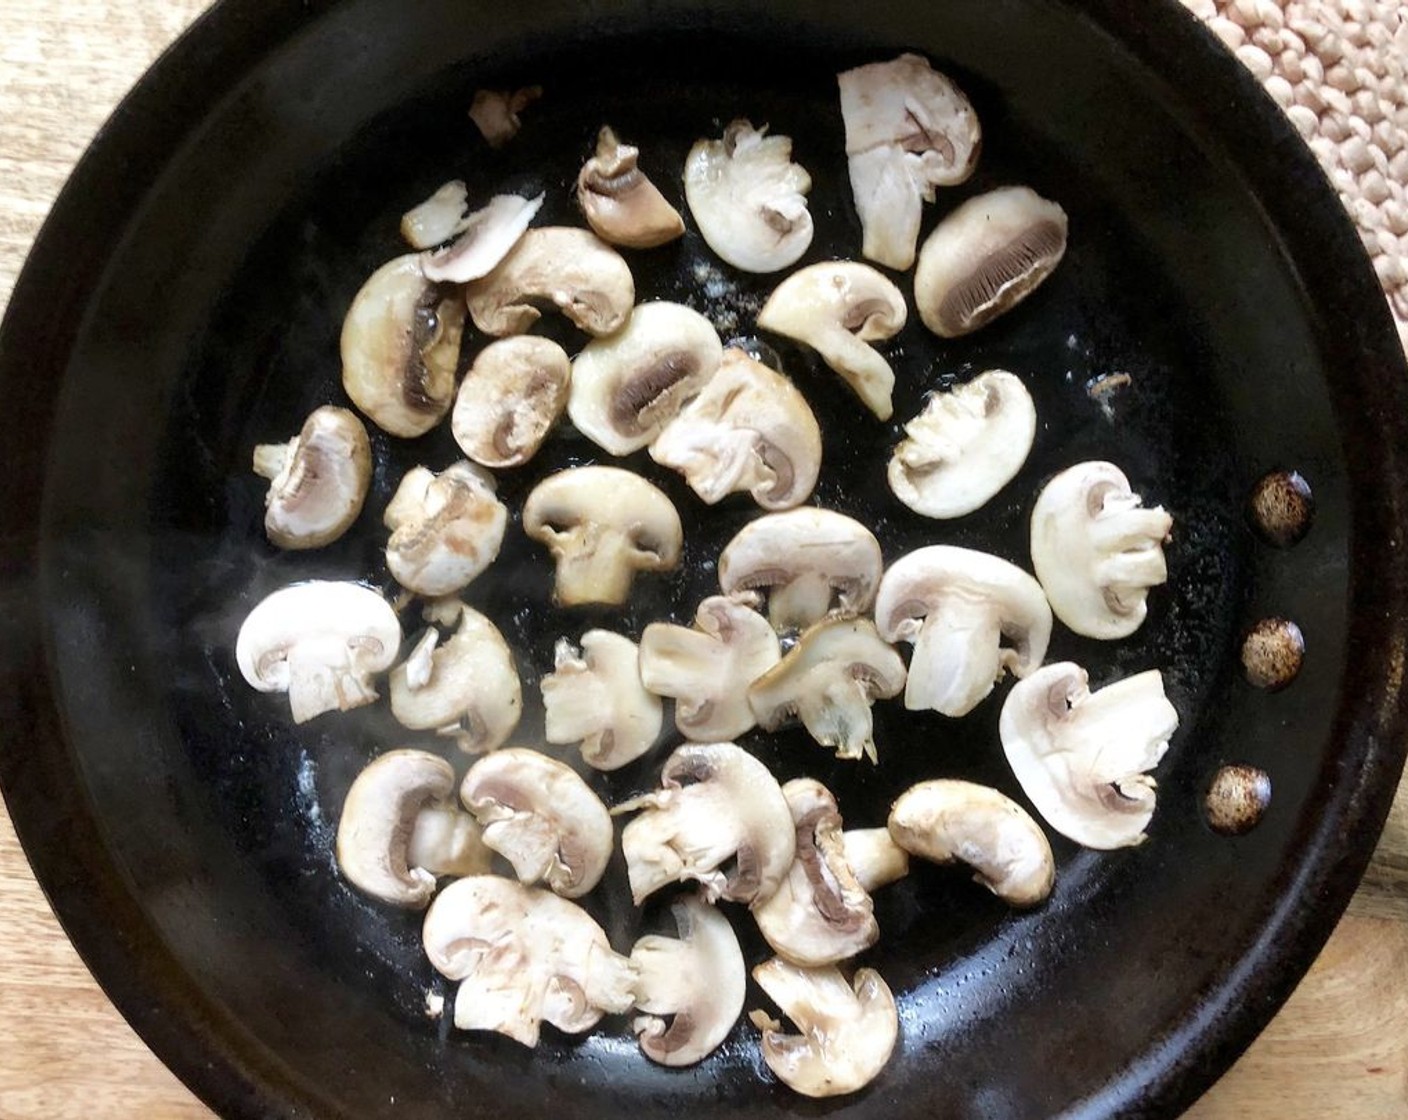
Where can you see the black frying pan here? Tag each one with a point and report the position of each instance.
(184, 302)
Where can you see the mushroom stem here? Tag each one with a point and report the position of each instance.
(874, 857)
(446, 841)
(957, 658)
(1132, 571)
(421, 662)
(600, 574)
(321, 677)
(271, 458)
(800, 602)
(839, 716)
(611, 981)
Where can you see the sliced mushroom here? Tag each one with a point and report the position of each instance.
(495, 112)
(829, 680)
(400, 829)
(321, 642)
(510, 399)
(438, 218)
(986, 257)
(708, 667)
(749, 199)
(317, 481)
(965, 446)
(837, 308)
(1096, 551)
(602, 525)
(958, 606)
(719, 818)
(698, 978)
(445, 529)
(748, 429)
(810, 561)
(620, 203)
(485, 238)
(595, 698)
(524, 956)
(400, 346)
(848, 1030)
(570, 269)
(1082, 757)
(874, 857)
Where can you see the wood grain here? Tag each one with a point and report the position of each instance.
(1338, 1049)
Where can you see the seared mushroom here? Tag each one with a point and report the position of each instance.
(445, 528)
(1082, 757)
(874, 857)
(438, 218)
(485, 238)
(595, 698)
(602, 525)
(620, 203)
(748, 429)
(1096, 551)
(321, 642)
(749, 199)
(965, 446)
(317, 481)
(957, 606)
(510, 399)
(836, 308)
(986, 257)
(625, 388)
(495, 112)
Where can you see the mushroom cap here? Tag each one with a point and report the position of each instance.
(317, 481)
(626, 387)
(1082, 757)
(445, 529)
(1096, 551)
(749, 199)
(495, 112)
(748, 429)
(965, 446)
(620, 203)
(485, 238)
(509, 400)
(949, 821)
(595, 698)
(804, 558)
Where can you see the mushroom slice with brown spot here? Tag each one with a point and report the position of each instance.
(317, 481)
(1096, 551)
(400, 346)
(697, 978)
(949, 821)
(510, 399)
(965, 446)
(542, 817)
(621, 205)
(570, 269)
(1083, 757)
(848, 1030)
(750, 430)
(626, 387)
(986, 257)
(595, 698)
(719, 819)
(829, 680)
(485, 238)
(958, 606)
(445, 529)
(708, 667)
(602, 526)
(811, 562)
(495, 112)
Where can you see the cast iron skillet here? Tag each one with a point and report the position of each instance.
(184, 301)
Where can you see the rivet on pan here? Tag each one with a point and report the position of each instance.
(1236, 799)
(1282, 507)
(1272, 653)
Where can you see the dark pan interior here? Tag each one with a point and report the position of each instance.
(213, 325)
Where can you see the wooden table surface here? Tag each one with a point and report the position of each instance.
(1338, 1049)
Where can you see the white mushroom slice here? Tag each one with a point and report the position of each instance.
(748, 429)
(445, 529)
(908, 130)
(949, 821)
(495, 112)
(848, 1030)
(321, 642)
(1082, 757)
(1096, 551)
(698, 978)
(810, 561)
(595, 698)
(524, 956)
(510, 399)
(958, 606)
(708, 667)
(602, 525)
(485, 238)
(965, 446)
(571, 269)
(985, 258)
(438, 218)
(719, 818)
(874, 857)
(829, 680)
(400, 346)
(626, 387)
(467, 687)
(837, 308)
(539, 815)
(749, 199)
(317, 481)
(621, 205)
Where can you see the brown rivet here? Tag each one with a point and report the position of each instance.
(1236, 799)
(1282, 507)
(1272, 653)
